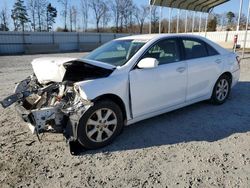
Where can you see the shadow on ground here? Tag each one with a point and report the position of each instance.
(198, 122)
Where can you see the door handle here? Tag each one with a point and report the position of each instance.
(218, 61)
(180, 69)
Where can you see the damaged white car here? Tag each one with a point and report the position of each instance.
(129, 79)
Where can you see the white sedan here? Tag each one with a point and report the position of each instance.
(124, 81)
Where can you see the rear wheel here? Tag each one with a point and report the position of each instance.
(100, 124)
(221, 90)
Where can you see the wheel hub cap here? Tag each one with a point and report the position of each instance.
(101, 125)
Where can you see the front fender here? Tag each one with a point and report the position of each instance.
(116, 84)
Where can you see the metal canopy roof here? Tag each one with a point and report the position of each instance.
(195, 5)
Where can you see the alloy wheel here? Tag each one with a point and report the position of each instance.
(222, 89)
(101, 125)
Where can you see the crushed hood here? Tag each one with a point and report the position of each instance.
(57, 69)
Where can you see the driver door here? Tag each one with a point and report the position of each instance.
(158, 88)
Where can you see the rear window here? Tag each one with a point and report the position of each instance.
(211, 50)
(194, 48)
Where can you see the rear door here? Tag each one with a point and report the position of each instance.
(204, 65)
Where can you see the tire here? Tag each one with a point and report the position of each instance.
(221, 90)
(100, 125)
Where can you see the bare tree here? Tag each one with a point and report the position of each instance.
(41, 10)
(106, 17)
(85, 14)
(4, 17)
(155, 19)
(32, 7)
(116, 10)
(99, 7)
(141, 14)
(122, 13)
(126, 11)
(132, 18)
(72, 17)
(65, 4)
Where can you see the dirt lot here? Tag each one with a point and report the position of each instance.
(198, 146)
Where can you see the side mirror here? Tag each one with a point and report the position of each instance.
(148, 63)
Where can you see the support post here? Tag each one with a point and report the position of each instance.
(160, 20)
(206, 24)
(186, 21)
(178, 19)
(193, 22)
(200, 22)
(169, 20)
(239, 17)
(245, 36)
(150, 12)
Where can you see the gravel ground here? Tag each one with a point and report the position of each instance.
(197, 146)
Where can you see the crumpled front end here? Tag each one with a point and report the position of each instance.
(47, 108)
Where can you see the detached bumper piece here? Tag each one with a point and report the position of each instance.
(14, 98)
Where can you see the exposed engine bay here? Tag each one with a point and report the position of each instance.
(50, 106)
(46, 107)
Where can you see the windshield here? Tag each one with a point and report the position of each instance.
(116, 52)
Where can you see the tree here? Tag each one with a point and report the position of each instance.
(116, 10)
(243, 20)
(41, 14)
(126, 10)
(230, 16)
(85, 14)
(141, 14)
(51, 14)
(212, 24)
(4, 19)
(222, 19)
(72, 17)
(32, 7)
(65, 4)
(19, 15)
(105, 17)
(122, 11)
(99, 7)
(154, 19)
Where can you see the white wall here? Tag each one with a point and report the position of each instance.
(14, 42)
(227, 37)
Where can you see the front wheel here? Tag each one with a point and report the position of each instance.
(100, 125)
(221, 90)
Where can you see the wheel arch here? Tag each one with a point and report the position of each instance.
(228, 74)
(116, 99)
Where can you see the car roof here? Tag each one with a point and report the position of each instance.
(148, 37)
(154, 37)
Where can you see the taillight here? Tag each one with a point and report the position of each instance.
(238, 60)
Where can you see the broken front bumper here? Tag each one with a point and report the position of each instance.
(39, 120)
(49, 108)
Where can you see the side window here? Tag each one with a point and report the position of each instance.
(194, 48)
(165, 51)
(211, 50)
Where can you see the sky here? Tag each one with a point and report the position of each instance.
(232, 5)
